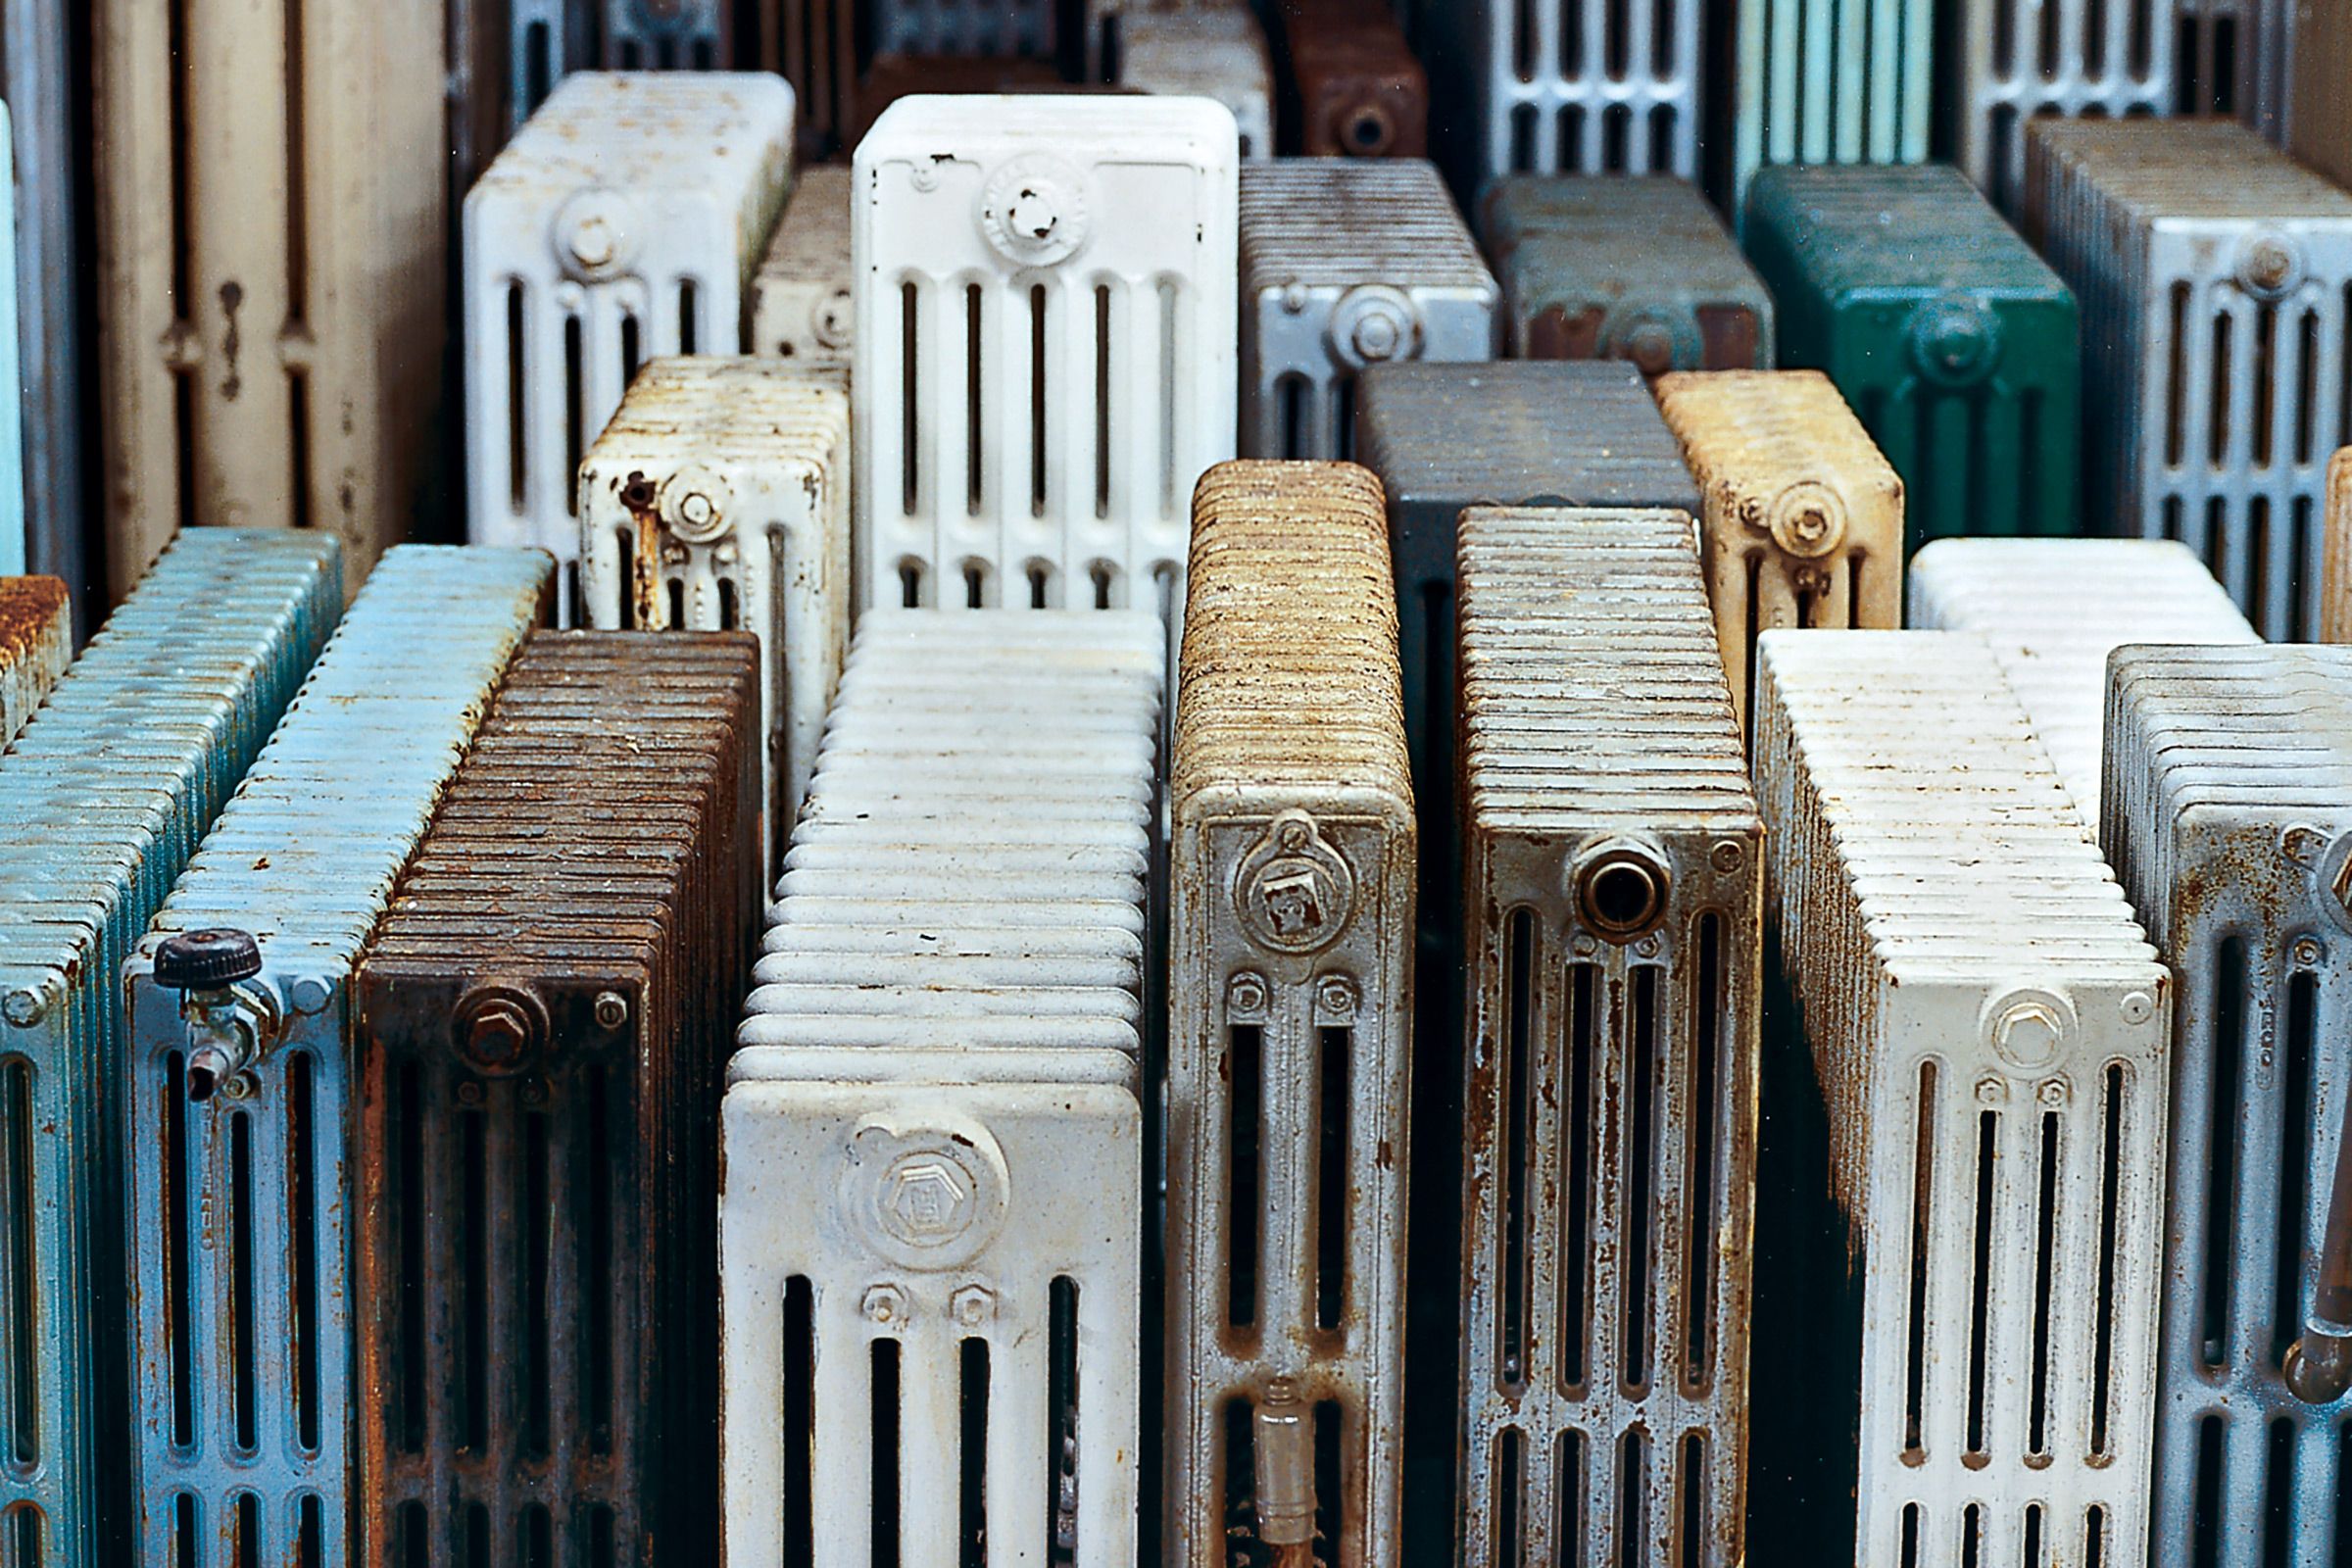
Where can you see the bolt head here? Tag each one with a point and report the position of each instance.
(883, 1303)
(1378, 336)
(2138, 1006)
(1991, 1090)
(2307, 952)
(972, 1305)
(1246, 992)
(2029, 1033)
(1728, 856)
(612, 1011)
(236, 1085)
(1650, 346)
(2052, 1093)
(498, 1034)
(593, 242)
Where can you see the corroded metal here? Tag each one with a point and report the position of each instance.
(1347, 264)
(1618, 268)
(801, 307)
(717, 500)
(36, 643)
(1817, 83)
(1952, 340)
(1352, 87)
(936, 1128)
(1614, 914)
(2213, 273)
(1203, 51)
(2225, 815)
(104, 794)
(2052, 611)
(1801, 518)
(1974, 1237)
(235, 1100)
(2335, 553)
(541, 1016)
(1290, 941)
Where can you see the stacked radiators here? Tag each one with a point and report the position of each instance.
(1613, 906)
(2227, 818)
(1045, 346)
(931, 1232)
(801, 306)
(1347, 262)
(1988, 1030)
(36, 643)
(1800, 516)
(1291, 950)
(717, 498)
(105, 794)
(2052, 610)
(2213, 270)
(542, 1014)
(623, 222)
(237, 1090)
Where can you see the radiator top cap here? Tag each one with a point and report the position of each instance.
(206, 960)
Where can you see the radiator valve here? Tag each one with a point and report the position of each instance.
(231, 1021)
(1286, 1469)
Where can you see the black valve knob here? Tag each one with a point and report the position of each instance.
(206, 960)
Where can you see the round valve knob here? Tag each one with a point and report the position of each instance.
(1955, 341)
(206, 960)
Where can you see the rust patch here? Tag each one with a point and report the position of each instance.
(1360, 92)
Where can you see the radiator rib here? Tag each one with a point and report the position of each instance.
(1566, 86)
(1820, 83)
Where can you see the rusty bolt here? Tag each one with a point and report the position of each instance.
(1335, 995)
(2269, 265)
(2302, 845)
(534, 1090)
(592, 240)
(469, 1093)
(883, 1303)
(638, 494)
(1585, 944)
(498, 1034)
(972, 1305)
(308, 994)
(1728, 856)
(1246, 992)
(1650, 347)
(2138, 1006)
(2307, 952)
(612, 1010)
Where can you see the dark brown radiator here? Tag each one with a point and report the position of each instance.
(1353, 88)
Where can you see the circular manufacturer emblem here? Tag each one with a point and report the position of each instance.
(1955, 341)
(1294, 892)
(1374, 323)
(926, 1196)
(2028, 1029)
(697, 504)
(596, 235)
(1033, 209)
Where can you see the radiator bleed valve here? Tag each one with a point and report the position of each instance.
(2318, 1365)
(231, 1021)
(1286, 1475)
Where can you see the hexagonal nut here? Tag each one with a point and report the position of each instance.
(1991, 1090)
(972, 1305)
(927, 1198)
(883, 1303)
(612, 1010)
(1807, 520)
(1337, 997)
(2053, 1093)
(697, 503)
(1728, 856)
(595, 234)
(1246, 994)
(498, 1035)
(2268, 265)
(2029, 1033)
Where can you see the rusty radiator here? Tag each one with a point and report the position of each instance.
(1290, 939)
(717, 500)
(238, 1073)
(1344, 263)
(271, 243)
(104, 793)
(1622, 268)
(801, 306)
(1203, 51)
(1988, 1069)
(1800, 521)
(2052, 610)
(932, 1232)
(2216, 279)
(622, 224)
(36, 643)
(1045, 346)
(541, 1016)
(2224, 814)
(1613, 904)
(2335, 553)
(1352, 87)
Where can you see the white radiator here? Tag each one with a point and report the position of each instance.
(2052, 610)
(932, 1225)
(1989, 1032)
(1045, 358)
(2022, 60)
(802, 304)
(1801, 518)
(2227, 818)
(1291, 935)
(1347, 262)
(1570, 86)
(620, 224)
(1611, 866)
(2214, 276)
(717, 500)
(1824, 83)
(1206, 51)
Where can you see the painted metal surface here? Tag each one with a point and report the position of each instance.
(935, 1133)
(2052, 610)
(2024, 60)
(803, 308)
(2225, 815)
(1820, 83)
(2335, 553)
(1957, 346)
(13, 541)
(1622, 268)
(1988, 1040)
(1045, 346)
(2320, 118)
(814, 44)
(1800, 521)
(1569, 86)
(717, 500)
(1347, 262)
(36, 644)
(536, 1108)
(1203, 51)
(621, 224)
(1353, 88)
(1614, 913)
(237, 1105)
(271, 243)
(106, 793)
(2215, 275)
(1290, 941)
(955, 27)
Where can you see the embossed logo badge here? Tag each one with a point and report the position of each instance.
(926, 1196)
(1295, 891)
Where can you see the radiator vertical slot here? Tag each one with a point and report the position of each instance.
(1575, 1272)
(2111, 1179)
(883, 1412)
(2295, 1102)
(910, 403)
(1635, 1246)
(971, 1448)
(20, 1257)
(534, 1369)
(2045, 1251)
(2205, 1533)
(2232, 1016)
(1245, 1169)
(575, 409)
(243, 1353)
(1691, 1485)
(594, 1234)
(1518, 1097)
(690, 323)
(1510, 1498)
(472, 1283)
(975, 434)
(1568, 1491)
(2175, 380)
(404, 1140)
(1336, 1048)
(1331, 1514)
(1063, 1477)
(799, 1422)
(1980, 1315)
(2279, 1494)
(1041, 398)
(1171, 384)
(1707, 1012)
(1102, 399)
(1923, 1202)
(302, 1213)
(519, 410)
(1633, 1499)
